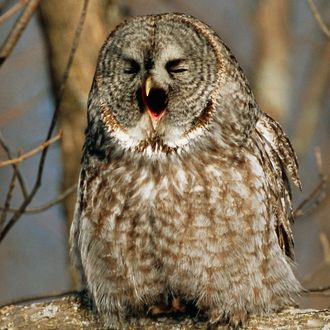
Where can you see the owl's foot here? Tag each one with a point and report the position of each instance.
(234, 321)
(175, 306)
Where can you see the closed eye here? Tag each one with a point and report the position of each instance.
(131, 66)
(176, 66)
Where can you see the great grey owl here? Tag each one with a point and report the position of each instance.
(183, 193)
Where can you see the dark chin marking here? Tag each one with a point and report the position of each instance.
(156, 144)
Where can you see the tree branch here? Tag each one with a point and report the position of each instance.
(51, 128)
(320, 289)
(12, 11)
(8, 200)
(32, 152)
(72, 312)
(48, 205)
(15, 167)
(17, 30)
(318, 194)
(318, 18)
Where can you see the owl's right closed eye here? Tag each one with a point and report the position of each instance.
(184, 194)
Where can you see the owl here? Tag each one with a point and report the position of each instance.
(184, 196)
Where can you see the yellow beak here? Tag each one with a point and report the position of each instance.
(148, 85)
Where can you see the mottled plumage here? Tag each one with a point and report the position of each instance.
(184, 189)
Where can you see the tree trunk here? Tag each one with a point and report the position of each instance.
(60, 20)
(272, 77)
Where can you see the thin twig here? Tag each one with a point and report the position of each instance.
(318, 194)
(322, 294)
(8, 200)
(58, 199)
(32, 152)
(320, 289)
(15, 167)
(17, 30)
(318, 18)
(38, 180)
(12, 11)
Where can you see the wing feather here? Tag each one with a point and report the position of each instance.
(279, 155)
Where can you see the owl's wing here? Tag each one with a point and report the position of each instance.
(75, 229)
(282, 160)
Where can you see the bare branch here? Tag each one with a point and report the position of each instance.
(58, 199)
(32, 152)
(320, 289)
(38, 180)
(318, 18)
(8, 200)
(317, 196)
(17, 30)
(313, 200)
(15, 167)
(12, 11)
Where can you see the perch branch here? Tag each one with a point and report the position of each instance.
(72, 312)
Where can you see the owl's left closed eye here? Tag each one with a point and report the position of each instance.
(131, 66)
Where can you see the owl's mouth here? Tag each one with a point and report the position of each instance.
(154, 100)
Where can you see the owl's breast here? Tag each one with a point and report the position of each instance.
(193, 193)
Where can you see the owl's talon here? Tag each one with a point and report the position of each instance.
(234, 321)
(178, 305)
(161, 308)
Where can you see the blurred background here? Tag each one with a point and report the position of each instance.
(279, 44)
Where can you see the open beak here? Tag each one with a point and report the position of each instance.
(148, 85)
(154, 100)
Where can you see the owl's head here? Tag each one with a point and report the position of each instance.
(161, 81)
